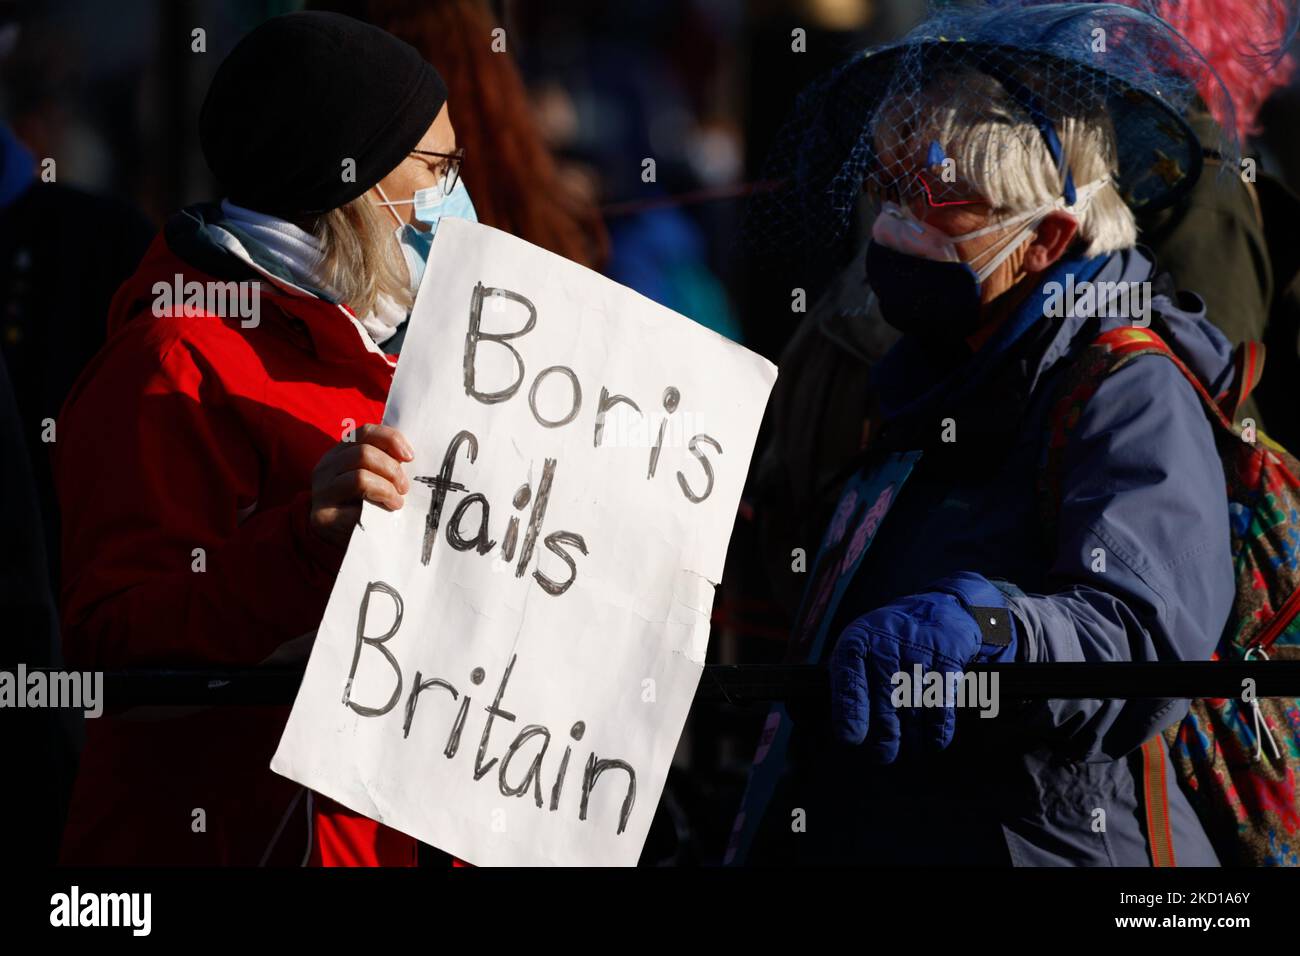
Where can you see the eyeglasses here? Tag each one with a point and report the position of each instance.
(451, 174)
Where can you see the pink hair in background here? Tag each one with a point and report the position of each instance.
(1245, 41)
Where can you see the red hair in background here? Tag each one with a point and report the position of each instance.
(1245, 41)
(511, 174)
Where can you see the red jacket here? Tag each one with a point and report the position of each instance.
(183, 461)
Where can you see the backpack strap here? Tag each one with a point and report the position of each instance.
(1155, 797)
(1248, 369)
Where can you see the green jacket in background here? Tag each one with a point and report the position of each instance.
(1236, 243)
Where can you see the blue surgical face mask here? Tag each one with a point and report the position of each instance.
(431, 206)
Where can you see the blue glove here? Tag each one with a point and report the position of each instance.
(962, 620)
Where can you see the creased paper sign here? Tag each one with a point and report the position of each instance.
(506, 663)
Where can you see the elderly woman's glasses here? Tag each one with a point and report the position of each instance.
(450, 168)
(921, 189)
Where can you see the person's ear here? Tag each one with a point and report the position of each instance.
(1052, 237)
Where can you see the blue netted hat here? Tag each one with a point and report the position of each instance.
(1123, 67)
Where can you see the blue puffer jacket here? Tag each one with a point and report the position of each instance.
(1142, 487)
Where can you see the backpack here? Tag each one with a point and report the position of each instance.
(1236, 760)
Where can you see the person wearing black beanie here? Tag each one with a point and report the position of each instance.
(231, 422)
(302, 94)
(374, 124)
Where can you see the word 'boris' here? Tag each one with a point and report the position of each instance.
(671, 397)
(533, 740)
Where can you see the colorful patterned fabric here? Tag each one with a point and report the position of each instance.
(1235, 758)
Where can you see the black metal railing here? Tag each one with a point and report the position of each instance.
(762, 684)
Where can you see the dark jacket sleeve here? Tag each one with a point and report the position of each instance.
(154, 468)
(1143, 570)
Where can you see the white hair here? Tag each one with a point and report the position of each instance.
(1001, 154)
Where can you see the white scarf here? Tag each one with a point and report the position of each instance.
(299, 253)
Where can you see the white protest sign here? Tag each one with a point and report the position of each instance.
(506, 663)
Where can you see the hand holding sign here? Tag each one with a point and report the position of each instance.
(365, 467)
(506, 663)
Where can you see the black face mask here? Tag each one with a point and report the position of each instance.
(932, 300)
